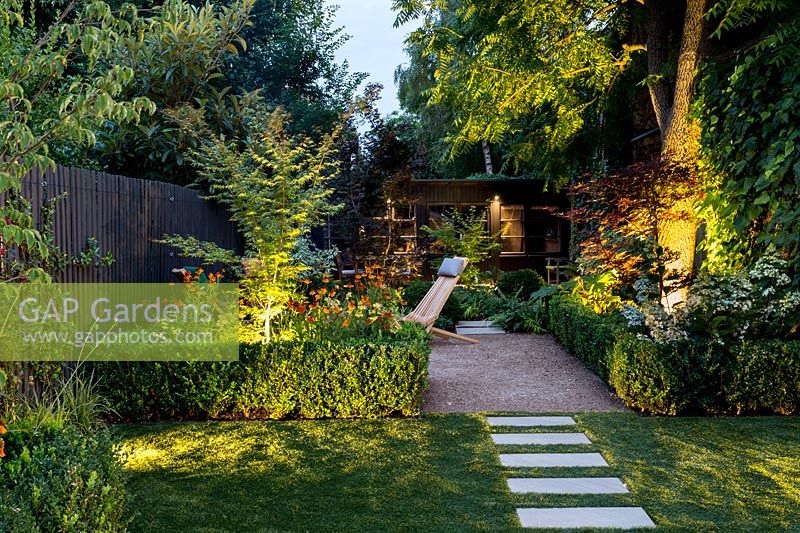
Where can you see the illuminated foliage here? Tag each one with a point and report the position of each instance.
(276, 189)
(523, 70)
(751, 145)
(621, 216)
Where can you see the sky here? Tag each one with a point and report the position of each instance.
(375, 47)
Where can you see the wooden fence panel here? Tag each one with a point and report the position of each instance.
(125, 215)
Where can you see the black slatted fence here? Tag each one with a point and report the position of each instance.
(125, 215)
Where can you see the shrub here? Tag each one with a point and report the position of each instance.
(656, 378)
(766, 375)
(479, 303)
(453, 309)
(464, 234)
(687, 373)
(60, 481)
(583, 332)
(520, 283)
(355, 378)
(528, 316)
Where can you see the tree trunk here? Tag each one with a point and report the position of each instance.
(679, 135)
(680, 138)
(658, 45)
(487, 157)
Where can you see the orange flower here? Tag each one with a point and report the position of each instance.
(337, 309)
(309, 319)
(351, 305)
(313, 306)
(326, 280)
(349, 286)
(3, 429)
(312, 293)
(323, 291)
(365, 300)
(326, 310)
(2, 448)
(346, 323)
(403, 302)
(305, 281)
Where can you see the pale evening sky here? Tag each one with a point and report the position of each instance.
(375, 46)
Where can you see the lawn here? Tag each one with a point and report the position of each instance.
(438, 473)
(441, 473)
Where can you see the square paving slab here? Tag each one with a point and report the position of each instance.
(530, 421)
(479, 331)
(540, 438)
(545, 460)
(567, 485)
(595, 517)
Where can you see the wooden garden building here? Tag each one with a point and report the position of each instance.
(531, 222)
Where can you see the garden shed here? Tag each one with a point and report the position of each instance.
(531, 221)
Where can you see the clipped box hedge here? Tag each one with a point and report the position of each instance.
(358, 378)
(60, 480)
(653, 378)
(760, 376)
(584, 333)
(765, 375)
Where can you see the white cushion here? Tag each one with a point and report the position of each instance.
(452, 267)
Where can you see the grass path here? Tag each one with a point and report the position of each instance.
(442, 473)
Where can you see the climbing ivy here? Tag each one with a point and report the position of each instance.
(749, 112)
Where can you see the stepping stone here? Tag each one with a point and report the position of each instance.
(577, 517)
(548, 460)
(567, 485)
(479, 331)
(530, 421)
(478, 327)
(540, 438)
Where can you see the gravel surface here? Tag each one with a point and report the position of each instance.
(513, 372)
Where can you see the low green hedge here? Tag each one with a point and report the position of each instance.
(653, 378)
(60, 480)
(361, 378)
(751, 377)
(589, 336)
(687, 377)
(765, 375)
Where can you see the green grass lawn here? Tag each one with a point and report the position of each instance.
(442, 473)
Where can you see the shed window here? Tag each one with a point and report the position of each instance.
(542, 231)
(512, 224)
(437, 213)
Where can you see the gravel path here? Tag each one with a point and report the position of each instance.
(513, 372)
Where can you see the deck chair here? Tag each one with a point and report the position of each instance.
(431, 305)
